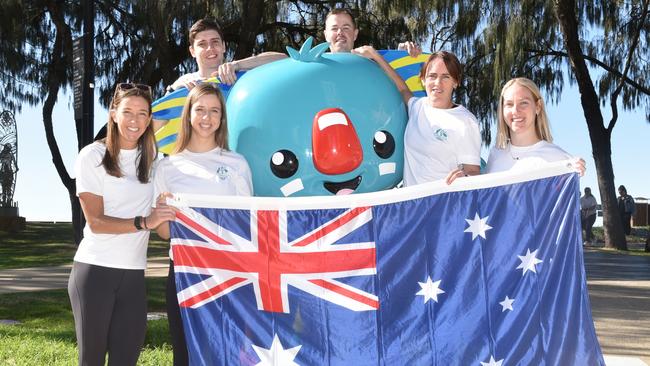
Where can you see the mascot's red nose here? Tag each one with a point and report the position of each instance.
(335, 143)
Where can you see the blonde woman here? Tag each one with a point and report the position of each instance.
(201, 164)
(524, 138)
(106, 286)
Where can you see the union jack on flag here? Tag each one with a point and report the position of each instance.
(487, 271)
(270, 261)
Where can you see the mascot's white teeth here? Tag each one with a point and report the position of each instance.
(387, 168)
(292, 187)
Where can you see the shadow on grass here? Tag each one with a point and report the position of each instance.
(604, 265)
(47, 315)
(51, 244)
(40, 244)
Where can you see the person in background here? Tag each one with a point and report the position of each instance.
(106, 286)
(200, 164)
(588, 207)
(626, 208)
(524, 138)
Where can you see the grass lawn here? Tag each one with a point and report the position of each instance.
(49, 244)
(45, 335)
(635, 241)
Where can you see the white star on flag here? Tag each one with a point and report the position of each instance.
(492, 362)
(276, 355)
(478, 226)
(528, 261)
(430, 290)
(506, 304)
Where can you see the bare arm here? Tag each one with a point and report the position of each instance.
(226, 72)
(93, 208)
(463, 170)
(370, 53)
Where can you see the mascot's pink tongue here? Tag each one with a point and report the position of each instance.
(344, 191)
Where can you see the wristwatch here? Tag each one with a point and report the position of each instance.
(137, 222)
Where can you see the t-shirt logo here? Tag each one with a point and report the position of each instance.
(440, 134)
(223, 173)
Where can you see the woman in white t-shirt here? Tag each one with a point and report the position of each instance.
(442, 139)
(523, 135)
(106, 286)
(200, 164)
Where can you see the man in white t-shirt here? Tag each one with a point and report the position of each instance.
(207, 47)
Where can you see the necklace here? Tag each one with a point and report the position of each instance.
(510, 152)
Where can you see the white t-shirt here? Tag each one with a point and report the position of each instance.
(437, 140)
(215, 172)
(588, 205)
(524, 157)
(123, 197)
(193, 76)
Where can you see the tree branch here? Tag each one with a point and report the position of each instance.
(596, 61)
(628, 62)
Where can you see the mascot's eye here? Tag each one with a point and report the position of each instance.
(284, 163)
(384, 144)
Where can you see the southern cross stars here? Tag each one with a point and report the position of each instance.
(492, 362)
(478, 226)
(528, 262)
(506, 304)
(430, 290)
(276, 355)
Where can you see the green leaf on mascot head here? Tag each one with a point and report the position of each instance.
(307, 53)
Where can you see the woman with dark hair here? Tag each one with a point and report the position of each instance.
(442, 138)
(106, 286)
(626, 208)
(200, 164)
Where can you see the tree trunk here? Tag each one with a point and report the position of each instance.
(61, 53)
(600, 137)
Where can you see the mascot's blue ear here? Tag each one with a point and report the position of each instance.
(307, 53)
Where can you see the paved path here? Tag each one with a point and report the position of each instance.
(47, 278)
(619, 288)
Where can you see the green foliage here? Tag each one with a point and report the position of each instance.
(50, 244)
(46, 333)
(147, 41)
(26, 49)
(636, 240)
(40, 244)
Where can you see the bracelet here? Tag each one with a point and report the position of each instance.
(137, 222)
(144, 221)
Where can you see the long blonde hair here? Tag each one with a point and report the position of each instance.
(185, 131)
(542, 128)
(147, 149)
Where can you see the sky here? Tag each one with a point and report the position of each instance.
(42, 197)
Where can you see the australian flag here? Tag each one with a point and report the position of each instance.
(487, 271)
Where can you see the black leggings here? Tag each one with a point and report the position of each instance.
(110, 313)
(175, 322)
